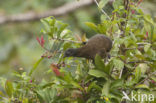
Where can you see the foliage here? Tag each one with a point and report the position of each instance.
(18, 47)
(74, 80)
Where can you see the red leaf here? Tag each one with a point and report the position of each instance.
(49, 57)
(42, 41)
(153, 82)
(37, 38)
(55, 69)
(30, 81)
(139, 2)
(146, 34)
(133, 11)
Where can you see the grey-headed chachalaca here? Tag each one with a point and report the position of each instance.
(98, 44)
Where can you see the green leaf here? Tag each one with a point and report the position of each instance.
(133, 37)
(102, 3)
(35, 66)
(103, 17)
(1, 94)
(69, 79)
(146, 47)
(148, 19)
(90, 100)
(108, 68)
(9, 88)
(153, 78)
(98, 73)
(137, 74)
(117, 3)
(47, 85)
(52, 22)
(117, 83)
(151, 54)
(105, 90)
(143, 86)
(46, 24)
(118, 63)
(52, 31)
(99, 63)
(144, 67)
(130, 83)
(49, 24)
(66, 45)
(61, 29)
(56, 45)
(152, 32)
(101, 66)
(40, 96)
(129, 40)
(25, 100)
(102, 28)
(76, 85)
(92, 26)
(93, 85)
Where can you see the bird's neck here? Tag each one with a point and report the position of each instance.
(79, 52)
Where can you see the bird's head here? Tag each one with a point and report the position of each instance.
(70, 52)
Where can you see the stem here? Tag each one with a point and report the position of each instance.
(66, 40)
(102, 10)
(140, 47)
(154, 73)
(121, 73)
(139, 62)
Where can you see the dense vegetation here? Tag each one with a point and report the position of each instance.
(131, 67)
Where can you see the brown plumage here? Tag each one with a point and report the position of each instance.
(98, 44)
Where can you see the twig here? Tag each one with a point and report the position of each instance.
(129, 48)
(121, 73)
(67, 8)
(140, 47)
(102, 10)
(154, 73)
(142, 43)
(138, 62)
(127, 7)
(65, 40)
(54, 38)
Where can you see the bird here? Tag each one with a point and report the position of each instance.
(98, 44)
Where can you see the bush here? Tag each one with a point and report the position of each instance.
(131, 67)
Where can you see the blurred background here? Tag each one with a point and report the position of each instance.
(19, 49)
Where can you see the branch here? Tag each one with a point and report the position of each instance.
(30, 16)
(66, 40)
(121, 73)
(153, 73)
(140, 47)
(102, 10)
(141, 61)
